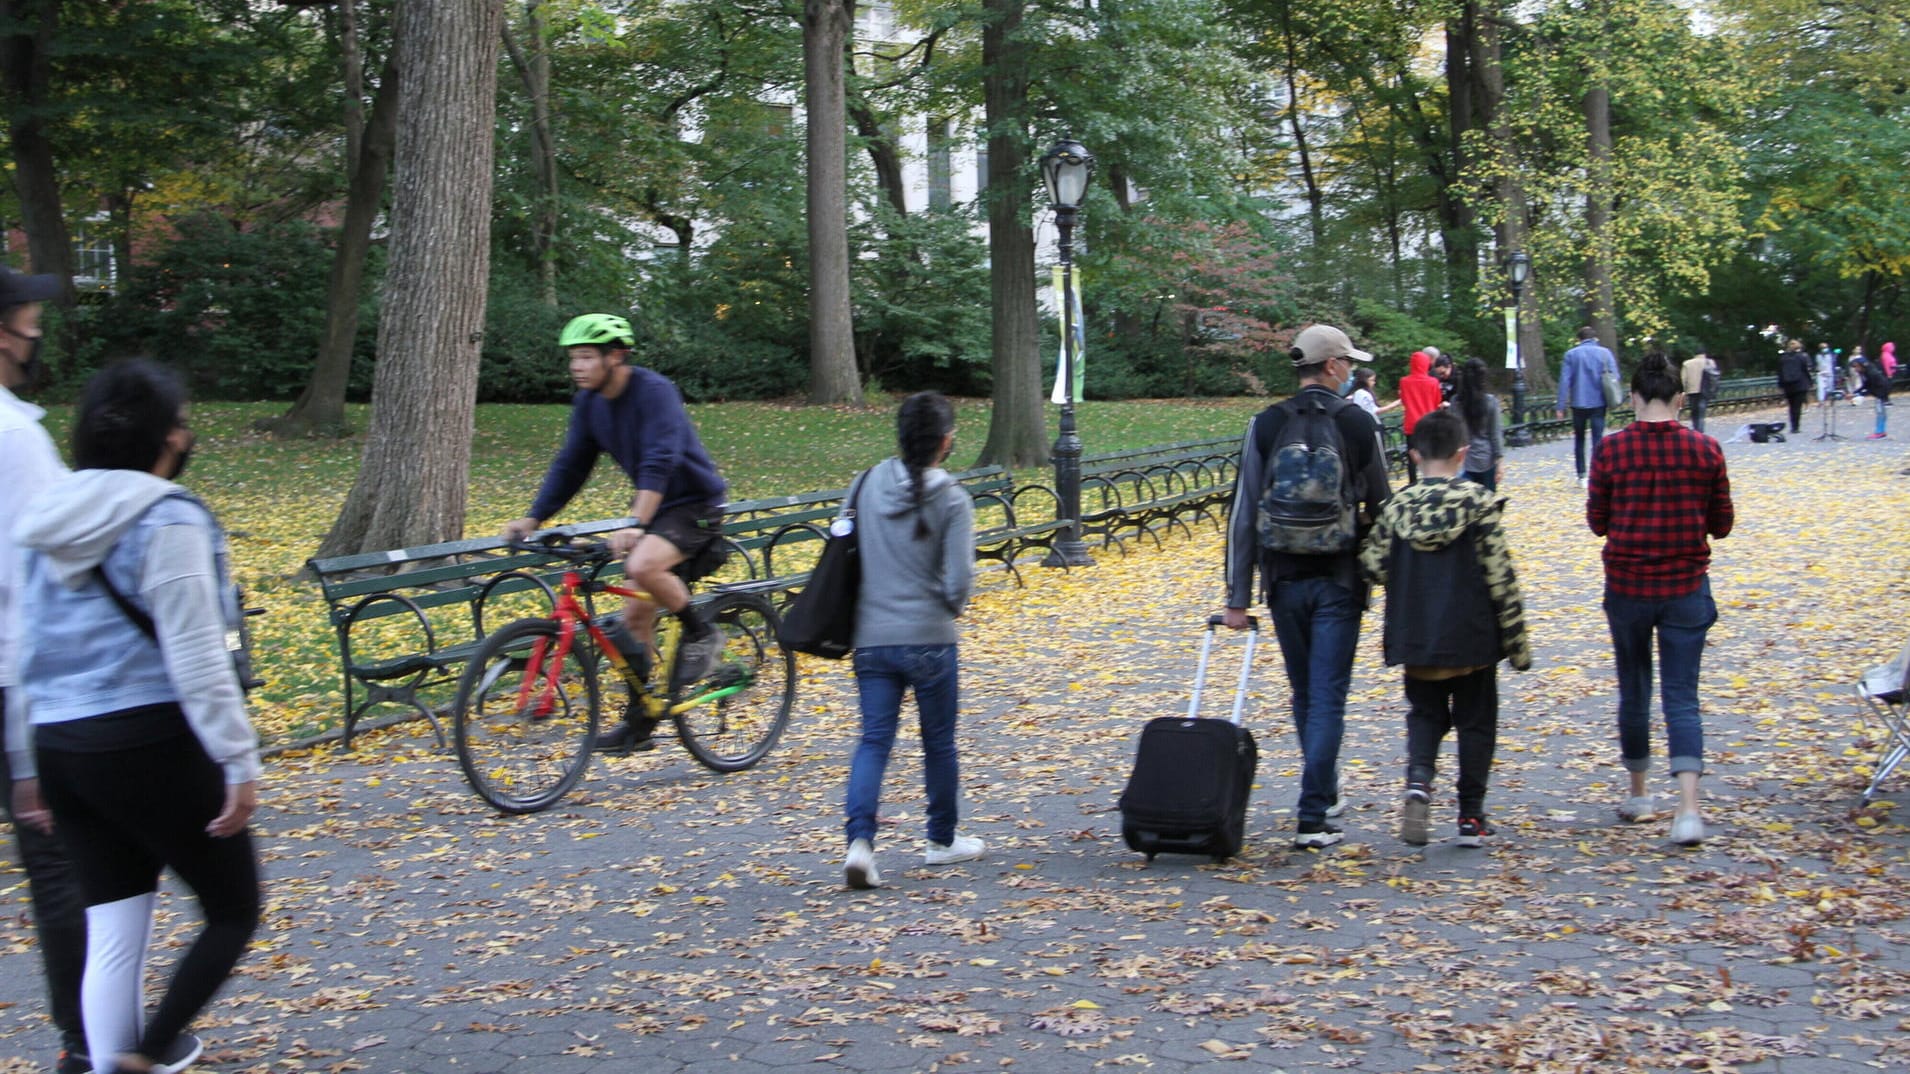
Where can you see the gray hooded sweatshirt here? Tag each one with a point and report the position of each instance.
(913, 587)
(83, 657)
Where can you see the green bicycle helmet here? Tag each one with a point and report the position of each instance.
(599, 330)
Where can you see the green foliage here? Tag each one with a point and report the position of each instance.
(238, 310)
(921, 303)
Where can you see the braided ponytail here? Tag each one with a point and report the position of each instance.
(923, 422)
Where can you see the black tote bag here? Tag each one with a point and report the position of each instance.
(822, 619)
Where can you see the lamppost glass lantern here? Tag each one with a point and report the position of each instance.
(1518, 267)
(1066, 169)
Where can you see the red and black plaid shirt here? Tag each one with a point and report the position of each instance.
(1657, 489)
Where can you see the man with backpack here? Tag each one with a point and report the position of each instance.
(1312, 479)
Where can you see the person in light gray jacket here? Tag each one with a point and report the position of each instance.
(915, 528)
(136, 748)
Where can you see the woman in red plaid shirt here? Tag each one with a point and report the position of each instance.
(1658, 490)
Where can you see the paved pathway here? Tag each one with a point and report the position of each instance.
(666, 919)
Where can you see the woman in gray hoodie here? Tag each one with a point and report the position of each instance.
(140, 743)
(915, 530)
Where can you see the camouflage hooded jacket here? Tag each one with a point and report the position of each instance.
(1452, 598)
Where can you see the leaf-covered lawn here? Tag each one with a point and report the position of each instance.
(279, 498)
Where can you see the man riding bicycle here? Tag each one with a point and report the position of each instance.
(637, 416)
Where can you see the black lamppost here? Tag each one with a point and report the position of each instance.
(1518, 267)
(1066, 170)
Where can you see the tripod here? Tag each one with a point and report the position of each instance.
(1829, 409)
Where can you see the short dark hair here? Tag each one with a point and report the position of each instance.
(1439, 435)
(124, 415)
(1586, 332)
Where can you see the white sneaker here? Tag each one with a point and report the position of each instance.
(1338, 807)
(858, 869)
(961, 848)
(1687, 829)
(1637, 809)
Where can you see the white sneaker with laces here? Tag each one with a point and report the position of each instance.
(961, 848)
(1338, 808)
(1687, 829)
(858, 869)
(1637, 809)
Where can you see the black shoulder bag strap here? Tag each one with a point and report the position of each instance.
(133, 612)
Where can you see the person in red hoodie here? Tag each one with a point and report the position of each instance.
(1419, 391)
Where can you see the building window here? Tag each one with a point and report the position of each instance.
(981, 167)
(939, 178)
(94, 266)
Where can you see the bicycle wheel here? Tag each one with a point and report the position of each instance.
(739, 711)
(524, 734)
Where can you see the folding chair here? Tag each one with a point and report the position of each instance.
(1886, 689)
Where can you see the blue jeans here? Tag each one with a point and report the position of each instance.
(1883, 416)
(1680, 624)
(1318, 623)
(883, 674)
(1583, 417)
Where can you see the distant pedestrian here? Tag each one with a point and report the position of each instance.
(1794, 379)
(1453, 611)
(1658, 490)
(1446, 373)
(1420, 393)
(1877, 386)
(1699, 372)
(1363, 397)
(916, 537)
(1582, 393)
(141, 746)
(1479, 409)
(1826, 374)
(1889, 359)
(1316, 597)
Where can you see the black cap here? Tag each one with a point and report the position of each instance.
(18, 290)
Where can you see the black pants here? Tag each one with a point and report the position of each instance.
(1796, 402)
(59, 916)
(1697, 411)
(1467, 704)
(126, 814)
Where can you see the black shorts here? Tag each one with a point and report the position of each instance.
(695, 531)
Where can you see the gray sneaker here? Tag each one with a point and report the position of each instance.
(694, 659)
(1415, 816)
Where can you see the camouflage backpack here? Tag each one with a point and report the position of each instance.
(1309, 505)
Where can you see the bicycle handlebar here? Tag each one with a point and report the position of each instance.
(565, 546)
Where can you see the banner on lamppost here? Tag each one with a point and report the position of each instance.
(1512, 337)
(1062, 302)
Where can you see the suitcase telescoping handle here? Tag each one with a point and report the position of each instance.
(1214, 622)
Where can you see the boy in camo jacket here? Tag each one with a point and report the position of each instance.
(1452, 613)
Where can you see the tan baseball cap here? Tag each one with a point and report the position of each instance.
(1320, 342)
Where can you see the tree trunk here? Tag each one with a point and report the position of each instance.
(320, 408)
(1315, 197)
(882, 154)
(413, 480)
(1457, 218)
(1514, 228)
(533, 70)
(26, 69)
(1599, 303)
(1017, 431)
(832, 347)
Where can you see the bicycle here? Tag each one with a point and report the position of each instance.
(528, 705)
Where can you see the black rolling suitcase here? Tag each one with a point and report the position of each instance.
(1192, 776)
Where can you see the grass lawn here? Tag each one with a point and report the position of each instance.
(278, 498)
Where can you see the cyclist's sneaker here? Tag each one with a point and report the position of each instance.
(1316, 834)
(636, 734)
(1415, 815)
(1473, 831)
(961, 848)
(858, 869)
(695, 655)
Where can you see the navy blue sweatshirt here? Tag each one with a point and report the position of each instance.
(650, 435)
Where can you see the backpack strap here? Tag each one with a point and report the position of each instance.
(132, 611)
